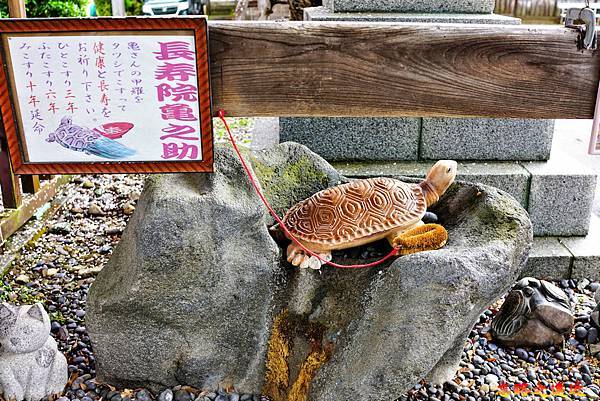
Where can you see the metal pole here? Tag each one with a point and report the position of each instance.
(118, 8)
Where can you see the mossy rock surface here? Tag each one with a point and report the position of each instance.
(193, 288)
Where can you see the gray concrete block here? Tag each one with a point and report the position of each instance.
(560, 196)
(323, 14)
(510, 177)
(548, 259)
(486, 139)
(355, 138)
(407, 6)
(586, 252)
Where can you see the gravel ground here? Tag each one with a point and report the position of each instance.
(58, 266)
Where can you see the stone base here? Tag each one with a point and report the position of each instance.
(486, 139)
(355, 138)
(407, 6)
(393, 139)
(561, 196)
(555, 258)
(323, 14)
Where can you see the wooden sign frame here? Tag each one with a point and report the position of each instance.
(115, 26)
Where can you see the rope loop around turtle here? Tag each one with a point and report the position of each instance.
(394, 252)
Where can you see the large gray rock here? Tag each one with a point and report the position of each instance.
(398, 324)
(192, 292)
(187, 294)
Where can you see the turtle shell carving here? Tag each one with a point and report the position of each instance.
(348, 212)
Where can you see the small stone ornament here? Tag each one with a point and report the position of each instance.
(31, 367)
(535, 314)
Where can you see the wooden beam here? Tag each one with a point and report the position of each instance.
(386, 69)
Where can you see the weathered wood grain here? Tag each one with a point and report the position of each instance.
(384, 69)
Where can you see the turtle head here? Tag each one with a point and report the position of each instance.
(439, 178)
(66, 120)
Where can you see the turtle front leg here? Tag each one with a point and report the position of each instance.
(426, 237)
(297, 257)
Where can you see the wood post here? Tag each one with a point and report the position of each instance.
(16, 9)
(30, 183)
(11, 188)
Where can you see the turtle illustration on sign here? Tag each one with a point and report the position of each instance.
(99, 141)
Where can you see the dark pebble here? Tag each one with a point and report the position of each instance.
(111, 394)
(581, 333)
(430, 217)
(166, 395)
(182, 395)
(592, 335)
(143, 395)
(522, 354)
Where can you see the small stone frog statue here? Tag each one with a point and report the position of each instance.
(31, 367)
(535, 313)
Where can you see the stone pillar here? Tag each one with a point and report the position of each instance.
(381, 139)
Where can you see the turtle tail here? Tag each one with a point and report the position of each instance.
(109, 149)
(427, 237)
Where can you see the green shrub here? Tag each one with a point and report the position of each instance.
(50, 8)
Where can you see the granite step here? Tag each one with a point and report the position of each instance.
(554, 258)
(558, 193)
(432, 6)
(386, 139)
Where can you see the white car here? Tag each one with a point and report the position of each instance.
(166, 7)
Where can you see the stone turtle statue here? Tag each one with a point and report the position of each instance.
(535, 313)
(31, 367)
(364, 211)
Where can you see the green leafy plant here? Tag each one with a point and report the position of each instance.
(19, 294)
(50, 8)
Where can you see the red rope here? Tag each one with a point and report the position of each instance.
(390, 255)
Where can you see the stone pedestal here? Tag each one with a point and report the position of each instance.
(409, 6)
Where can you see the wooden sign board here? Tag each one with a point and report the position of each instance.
(126, 95)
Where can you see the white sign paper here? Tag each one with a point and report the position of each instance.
(107, 97)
